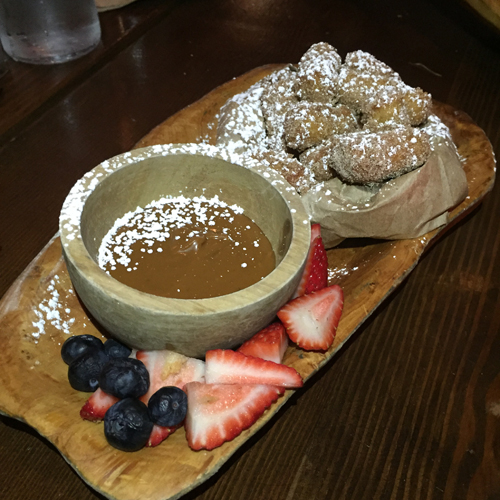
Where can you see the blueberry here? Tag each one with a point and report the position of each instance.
(77, 345)
(114, 349)
(84, 371)
(127, 425)
(124, 378)
(168, 406)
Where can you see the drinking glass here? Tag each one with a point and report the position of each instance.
(48, 31)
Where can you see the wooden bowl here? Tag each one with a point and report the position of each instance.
(188, 326)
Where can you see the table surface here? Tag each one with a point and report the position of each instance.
(410, 408)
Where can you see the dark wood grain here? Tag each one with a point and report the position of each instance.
(28, 90)
(367, 274)
(410, 409)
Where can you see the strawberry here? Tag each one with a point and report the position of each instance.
(97, 405)
(311, 320)
(315, 274)
(159, 434)
(219, 412)
(170, 368)
(315, 231)
(270, 343)
(231, 367)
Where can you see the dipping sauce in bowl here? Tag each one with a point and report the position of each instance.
(98, 228)
(187, 248)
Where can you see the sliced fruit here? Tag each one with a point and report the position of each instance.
(270, 343)
(219, 412)
(231, 367)
(311, 320)
(170, 368)
(159, 434)
(97, 405)
(315, 275)
(315, 231)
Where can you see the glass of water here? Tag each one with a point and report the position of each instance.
(48, 31)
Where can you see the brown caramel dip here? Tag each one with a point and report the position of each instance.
(187, 248)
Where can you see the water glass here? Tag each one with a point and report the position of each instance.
(48, 31)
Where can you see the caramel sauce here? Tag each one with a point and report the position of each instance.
(187, 249)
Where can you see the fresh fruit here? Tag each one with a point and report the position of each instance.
(270, 343)
(97, 405)
(168, 368)
(84, 371)
(315, 275)
(127, 425)
(115, 349)
(219, 412)
(311, 320)
(230, 367)
(168, 406)
(315, 231)
(77, 345)
(159, 434)
(124, 378)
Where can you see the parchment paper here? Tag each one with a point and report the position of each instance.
(406, 207)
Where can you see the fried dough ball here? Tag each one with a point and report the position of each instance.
(356, 90)
(321, 53)
(385, 109)
(364, 62)
(398, 105)
(241, 120)
(317, 75)
(379, 95)
(317, 160)
(371, 157)
(309, 123)
(418, 105)
(362, 78)
(295, 174)
(276, 99)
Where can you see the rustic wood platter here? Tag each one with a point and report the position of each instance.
(41, 309)
(488, 9)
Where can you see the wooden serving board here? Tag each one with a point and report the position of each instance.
(488, 9)
(34, 388)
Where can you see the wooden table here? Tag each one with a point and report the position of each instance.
(410, 409)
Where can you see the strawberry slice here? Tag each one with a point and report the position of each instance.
(97, 405)
(219, 412)
(170, 368)
(315, 275)
(231, 367)
(311, 320)
(315, 231)
(159, 434)
(270, 343)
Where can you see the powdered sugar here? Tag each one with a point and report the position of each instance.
(53, 311)
(436, 128)
(156, 221)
